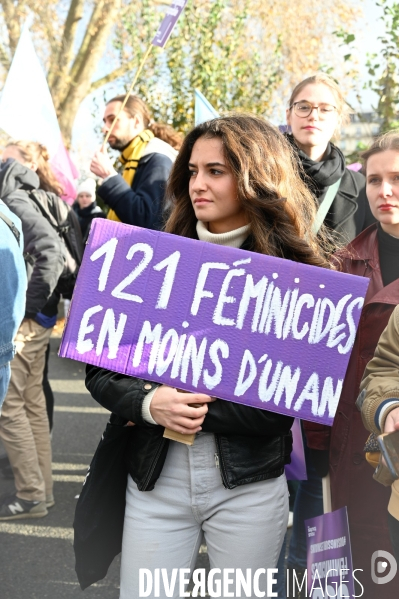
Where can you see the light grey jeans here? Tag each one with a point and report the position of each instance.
(243, 527)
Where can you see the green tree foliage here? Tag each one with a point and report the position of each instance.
(242, 54)
(383, 69)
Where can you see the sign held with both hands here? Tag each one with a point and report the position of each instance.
(241, 326)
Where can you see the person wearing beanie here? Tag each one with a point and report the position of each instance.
(86, 207)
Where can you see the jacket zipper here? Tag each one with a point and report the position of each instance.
(153, 465)
(220, 462)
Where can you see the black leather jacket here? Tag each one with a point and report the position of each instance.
(252, 444)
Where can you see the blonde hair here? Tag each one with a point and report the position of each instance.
(32, 151)
(343, 110)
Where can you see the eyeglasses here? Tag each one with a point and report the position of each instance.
(304, 109)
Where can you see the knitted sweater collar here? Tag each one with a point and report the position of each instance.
(233, 239)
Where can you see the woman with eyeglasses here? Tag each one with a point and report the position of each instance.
(316, 111)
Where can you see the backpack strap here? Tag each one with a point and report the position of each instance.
(325, 205)
(12, 227)
(41, 200)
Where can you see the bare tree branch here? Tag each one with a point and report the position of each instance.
(98, 18)
(92, 48)
(119, 72)
(58, 78)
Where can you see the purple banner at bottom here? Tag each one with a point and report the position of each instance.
(329, 562)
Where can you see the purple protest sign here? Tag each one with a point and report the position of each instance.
(166, 27)
(296, 470)
(329, 562)
(249, 328)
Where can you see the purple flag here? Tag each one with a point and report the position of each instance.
(242, 326)
(329, 563)
(166, 27)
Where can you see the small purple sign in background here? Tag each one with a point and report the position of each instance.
(166, 27)
(245, 327)
(329, 562)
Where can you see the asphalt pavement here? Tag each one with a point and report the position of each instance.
(36, 555)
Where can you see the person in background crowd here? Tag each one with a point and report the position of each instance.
(373, 254)
(235, 182)
(315, 114)
(24, 427)
(379, 404)
(86, 207)
(148, 151)
(34, 153)
(316, 111)
(12, 290)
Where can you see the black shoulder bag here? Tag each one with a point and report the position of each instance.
(100, 510)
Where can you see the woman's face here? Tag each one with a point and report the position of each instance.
(213, 188)
(382, 188)
(13, 152)
(313, 132)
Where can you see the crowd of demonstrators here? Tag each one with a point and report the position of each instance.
(316, 111)
(226, 188)
(148, 151)
(86, 207)
(373, 254)
(12, 290)
(24, 426)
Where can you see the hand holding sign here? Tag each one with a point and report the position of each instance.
(172, 409)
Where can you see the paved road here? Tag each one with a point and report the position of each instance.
(36, 556)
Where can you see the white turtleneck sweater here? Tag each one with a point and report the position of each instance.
(233, 239)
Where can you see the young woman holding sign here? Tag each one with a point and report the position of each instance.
(235, 182)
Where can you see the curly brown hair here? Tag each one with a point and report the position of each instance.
(278, 205)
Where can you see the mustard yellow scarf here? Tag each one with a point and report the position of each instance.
(130, 158)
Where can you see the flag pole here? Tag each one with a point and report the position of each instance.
(139, 69)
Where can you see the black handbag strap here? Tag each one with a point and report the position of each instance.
(12, 227)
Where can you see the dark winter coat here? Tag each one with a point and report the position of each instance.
(352, 483)
(350, 212)
(43, 249)
(86, 215)
(143, 203)
(252, 444)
